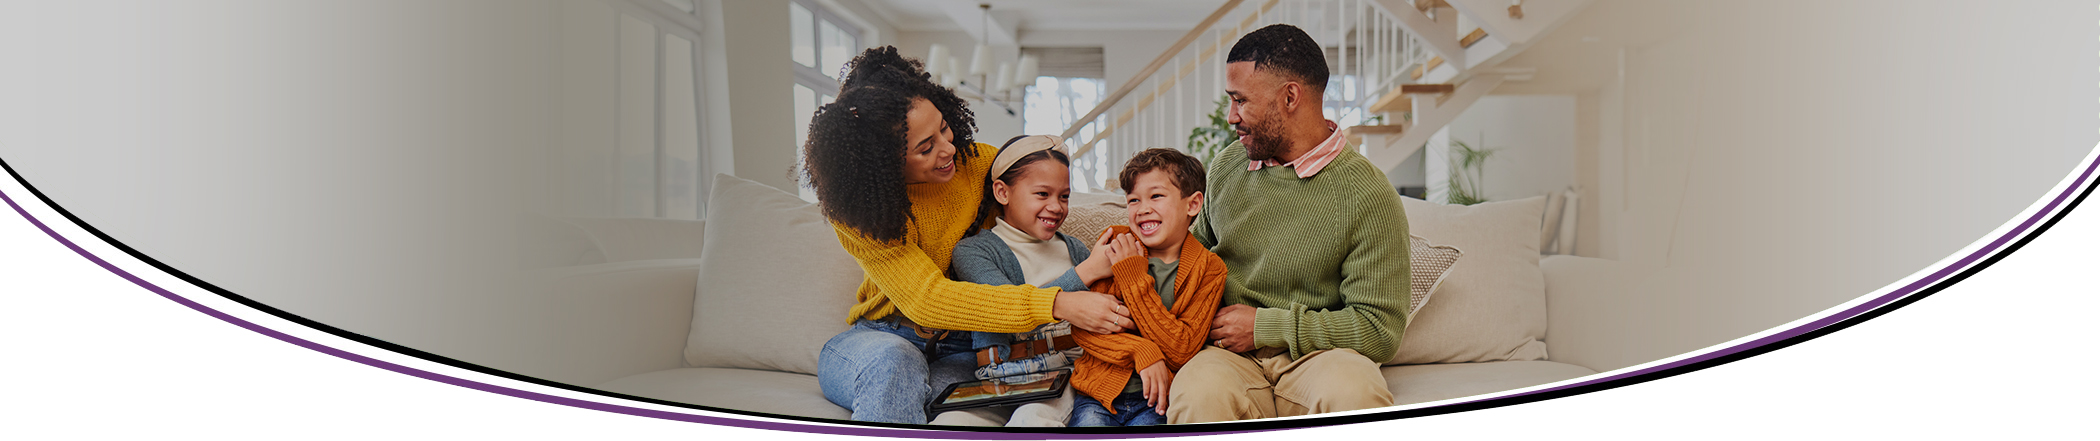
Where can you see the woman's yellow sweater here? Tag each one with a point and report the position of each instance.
(910, 275)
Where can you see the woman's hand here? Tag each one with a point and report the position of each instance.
(1092, 311)
(1155, 379)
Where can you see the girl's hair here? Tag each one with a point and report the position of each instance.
(991, 207)
(855, 155)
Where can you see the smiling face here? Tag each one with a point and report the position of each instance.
(929, 147)
(1256, 112)
(1160, 214)
(1036, 201)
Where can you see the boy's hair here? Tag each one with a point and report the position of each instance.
(1286, 50)
(1186, 170)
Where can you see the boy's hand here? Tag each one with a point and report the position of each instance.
(1123, 246)
(1155, 379)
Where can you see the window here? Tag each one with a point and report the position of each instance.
(627, 132)
(822, 44)
(1071, 84)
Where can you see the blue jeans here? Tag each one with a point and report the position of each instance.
(884, 372)
(1131, 410)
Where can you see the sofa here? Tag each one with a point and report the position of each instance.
(730, 311)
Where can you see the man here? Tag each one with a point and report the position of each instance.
(1316, 245)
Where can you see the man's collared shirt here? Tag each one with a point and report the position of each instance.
(1313, 161)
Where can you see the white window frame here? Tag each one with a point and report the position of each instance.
(814, 77)
(670, 20)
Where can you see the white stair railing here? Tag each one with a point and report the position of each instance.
(1368, 53)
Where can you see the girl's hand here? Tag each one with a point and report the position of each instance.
(1155, 379)
(1099, 263)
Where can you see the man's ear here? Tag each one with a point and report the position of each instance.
(1291, 96)
(999, 191)
(1196, 204)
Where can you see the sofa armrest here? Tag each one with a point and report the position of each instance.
(1592, 312)
(585, 325)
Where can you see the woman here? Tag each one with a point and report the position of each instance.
(883, 159)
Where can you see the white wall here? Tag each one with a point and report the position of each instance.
(1533, 137)
(1774, 159)
(752, 81)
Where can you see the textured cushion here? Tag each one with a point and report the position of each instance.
(624, 239)
(774, 282)
(1429, 265)
(1092, 212)
(777, 393)
(1492, 306)
(1432, 382)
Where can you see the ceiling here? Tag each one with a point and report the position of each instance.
(1041, 15)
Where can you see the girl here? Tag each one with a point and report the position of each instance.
(1027, 192)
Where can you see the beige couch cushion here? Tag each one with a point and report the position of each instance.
(774, 282)
(1432, 382)
(770, 392)
(1492, 307)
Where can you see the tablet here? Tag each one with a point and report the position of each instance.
(1001, 391)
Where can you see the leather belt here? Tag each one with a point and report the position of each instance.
(929, 334)
(1024, 350)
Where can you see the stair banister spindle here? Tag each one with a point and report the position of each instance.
(1150, 69)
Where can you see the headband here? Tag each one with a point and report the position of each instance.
(1022, 147)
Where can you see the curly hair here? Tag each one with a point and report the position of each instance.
(991, 206)
(1186, 170)
(855, 153)
(1286, 50)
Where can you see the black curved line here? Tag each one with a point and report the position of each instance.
(1245, 426)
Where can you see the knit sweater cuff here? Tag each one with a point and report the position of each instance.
(1039, 305)
(1273, 328)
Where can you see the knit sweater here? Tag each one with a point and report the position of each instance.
(910, 276)
(985, 258)
(1324, 258)
(1173, 335)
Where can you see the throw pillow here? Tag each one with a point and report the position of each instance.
(1429, 265)
(774, 282)
(1492, 305)
(1092, 212)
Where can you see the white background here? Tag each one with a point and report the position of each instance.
(2005, 353)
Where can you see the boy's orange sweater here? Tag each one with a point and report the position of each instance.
(1173, 335)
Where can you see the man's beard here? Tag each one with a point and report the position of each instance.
(1264, 141)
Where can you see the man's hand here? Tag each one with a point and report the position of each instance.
(1092, 311)
(1233, 329)
(1155, 379)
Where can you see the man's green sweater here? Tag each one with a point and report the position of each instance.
(1324, 258)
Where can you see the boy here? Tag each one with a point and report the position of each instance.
(1172, 290)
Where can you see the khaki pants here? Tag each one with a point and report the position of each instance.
(1220, 385)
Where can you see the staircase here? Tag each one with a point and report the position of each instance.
(1401, 70)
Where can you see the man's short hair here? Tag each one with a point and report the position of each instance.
(1186, 170)
(1285, 50)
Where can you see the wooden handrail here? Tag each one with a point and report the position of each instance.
(1168, 83)
(1147, 72)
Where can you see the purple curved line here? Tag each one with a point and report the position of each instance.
(535, 396)
(858, 431)
(1855, 310)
